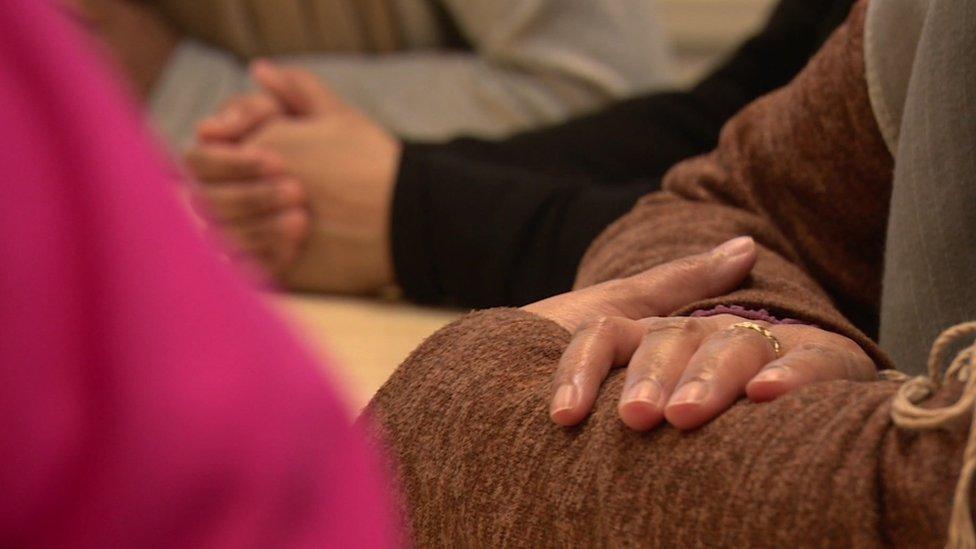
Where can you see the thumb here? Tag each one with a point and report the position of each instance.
(301, 92)
(661, 290)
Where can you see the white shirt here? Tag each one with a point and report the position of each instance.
(532, 62)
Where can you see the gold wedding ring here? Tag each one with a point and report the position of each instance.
(763, 331)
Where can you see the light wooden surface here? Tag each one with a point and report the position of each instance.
(364, 339)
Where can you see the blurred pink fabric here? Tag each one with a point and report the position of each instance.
(147, 397)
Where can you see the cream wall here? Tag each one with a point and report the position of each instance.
(703, 31)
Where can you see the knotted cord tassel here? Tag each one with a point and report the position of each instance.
(906, 414)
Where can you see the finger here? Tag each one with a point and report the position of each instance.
(656, 367)
(595, 348)
(716, 376)
(275, 260)
(665, 288)
(263, 254)
(239, 117)
(219, 162)
(809, 363)
(287, 254)
(301, 92)
(271, 231)
(235, 201)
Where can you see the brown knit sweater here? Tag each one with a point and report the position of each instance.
(805, 171)
(481, 465)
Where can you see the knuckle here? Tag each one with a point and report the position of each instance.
(601, 325)
(809, 347)
(565, 372)
(678, 326)
(254, 199)
(726, 319)
(850, 346)
(255, 104)
(857, 363)
(818, 354)
(839, 342)
(193, 158)
(730, 334)
(257, 231)
(705, 375)
(847, 362)
(247, 109)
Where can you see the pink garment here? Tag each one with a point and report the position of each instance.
(147, 398)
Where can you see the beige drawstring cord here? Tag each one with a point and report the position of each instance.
(906, 414)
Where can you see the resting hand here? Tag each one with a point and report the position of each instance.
(690, 370)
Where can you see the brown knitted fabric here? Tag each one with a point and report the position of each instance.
(806, 172)
(481, 465)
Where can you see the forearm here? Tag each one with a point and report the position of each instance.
(638, 137)
(480, 462)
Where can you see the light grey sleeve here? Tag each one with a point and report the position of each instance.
(532, 62)
(196, 82)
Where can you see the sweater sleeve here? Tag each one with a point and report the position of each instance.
(805, 171)
(481, 465)
(541, 197)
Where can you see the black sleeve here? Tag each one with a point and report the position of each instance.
(482, 223)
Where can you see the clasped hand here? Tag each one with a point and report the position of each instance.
(301, 182)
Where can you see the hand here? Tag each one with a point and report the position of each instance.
(244, 191)
(245, 194)
(345, 163)
(690, 370)
(656, 291)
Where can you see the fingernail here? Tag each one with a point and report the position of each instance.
(646, 391)
(735, 247)
(692, 392)
(565, 398)
(774, 373)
